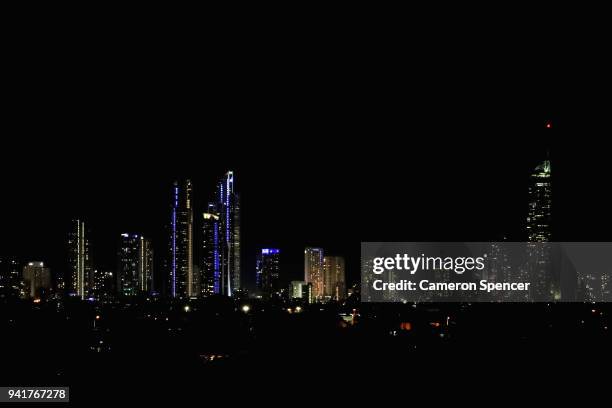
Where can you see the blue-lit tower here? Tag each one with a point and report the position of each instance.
(268, 272)
(228, 207)
(182, 282)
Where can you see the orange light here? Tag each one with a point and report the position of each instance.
(97, 317)
(36, 300)
(435, 324)
(406, 326)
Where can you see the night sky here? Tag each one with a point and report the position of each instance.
(331, 146)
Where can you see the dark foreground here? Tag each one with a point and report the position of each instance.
(217, 351)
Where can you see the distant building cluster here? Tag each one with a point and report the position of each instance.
(202, 257)
(325, 274)
(33, 281)
(218, 267)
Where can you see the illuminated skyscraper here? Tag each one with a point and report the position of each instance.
(10, 279)
(228, 207)
(79, 262)
(499, 269)
(210, 264)
(268, 272)
(37, 279)
(104, 285)
(145, 270)
(135, 271)
(367, 294)
(127, 273)
(544, 285)
(183, 281)
(313, 271)
(538, 218)
(334, 278)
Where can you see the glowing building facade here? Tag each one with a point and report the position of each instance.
(104, 285)
(36, 279)
(183, 281)
(227, 206)
(301, 290)
(539, 215)
(313, 271)
(10, 279)
(268, 272)
(210, 262)
(135, 270)
(544, 285)
(334, 278)
(79, 262)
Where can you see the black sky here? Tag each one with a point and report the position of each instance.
(333, 141)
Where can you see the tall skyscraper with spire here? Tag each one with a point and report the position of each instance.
(79, 261)
(227, 206)
(183, 281)
(539, 215)
(545, 285)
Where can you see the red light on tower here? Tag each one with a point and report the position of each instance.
(548, 125)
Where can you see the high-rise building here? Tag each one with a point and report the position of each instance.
(210, 263)
(499, 269)
(227, 206)
(543, 286)
(79, 261)
(313, 271)
(183, 281)
(606, 287)
(539, 216)
(301, 290)
(11, 285)
(37, 279)
(367, 278)
(268, 272)
(334, 278)
(135, 270)
(104, 285)
(145, 272)
(127, 270)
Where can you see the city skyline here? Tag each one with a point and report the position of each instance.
(201, 259)
(158, 165)
(214, 268)
(278, 217)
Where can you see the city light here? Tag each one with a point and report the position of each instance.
(128, 297)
